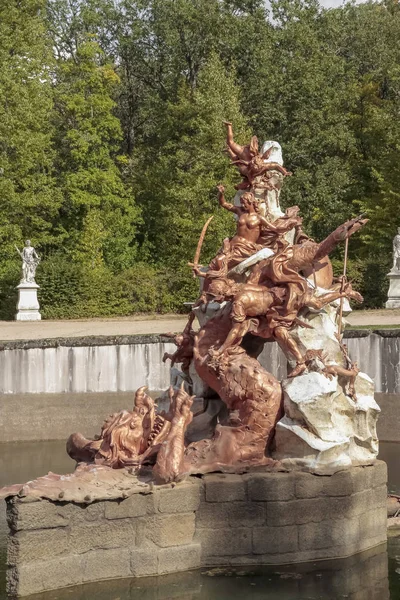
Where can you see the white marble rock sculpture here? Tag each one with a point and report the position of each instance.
(325, 428)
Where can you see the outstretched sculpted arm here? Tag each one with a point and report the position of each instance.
(281, 225)
(232, 145)
(224, 203)
(319, 302)
(273, 166)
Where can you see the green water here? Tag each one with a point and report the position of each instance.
(374, 575)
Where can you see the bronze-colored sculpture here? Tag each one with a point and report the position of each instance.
(251, 164)
(184, 353)
(126, 438)
(262, 282)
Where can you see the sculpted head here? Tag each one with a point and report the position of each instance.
(28, 243)
(219, 290)
(248, 199)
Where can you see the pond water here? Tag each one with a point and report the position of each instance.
(374, 575)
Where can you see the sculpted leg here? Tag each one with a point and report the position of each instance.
(235, 336)
(282, 335)
(319, 302)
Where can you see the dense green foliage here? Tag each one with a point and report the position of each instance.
(111, 137)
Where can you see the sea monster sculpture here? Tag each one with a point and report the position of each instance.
(126, 438)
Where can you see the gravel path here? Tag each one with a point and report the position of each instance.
(17, 330)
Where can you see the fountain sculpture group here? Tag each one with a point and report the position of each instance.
(270, 281)
(269, 438)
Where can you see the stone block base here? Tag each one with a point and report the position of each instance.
(393, 303)
(393, 300)
(234, 520)
(28, 304)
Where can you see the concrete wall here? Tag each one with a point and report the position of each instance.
(29, 417)
(124, 363)
(84, 365)
(253, 519)
(378, 355)
(50, 388)
(388, 426)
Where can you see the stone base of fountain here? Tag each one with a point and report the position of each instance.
(104, 524)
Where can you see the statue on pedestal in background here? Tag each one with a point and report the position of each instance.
(28, 304)
(30, 261)
(396, 251)
(393, 300)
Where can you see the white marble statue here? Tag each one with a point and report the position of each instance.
(30, 261)
(396, 251)
(393, 300)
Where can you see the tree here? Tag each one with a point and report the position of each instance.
(28, 197)
(98, 209)
(177, 178)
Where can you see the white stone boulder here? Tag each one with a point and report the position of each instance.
(325, 430)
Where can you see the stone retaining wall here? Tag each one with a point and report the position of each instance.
(252, 519)
(124, 363)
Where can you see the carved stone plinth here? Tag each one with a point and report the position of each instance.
(103, 523)
(393, 300)
(28, 304)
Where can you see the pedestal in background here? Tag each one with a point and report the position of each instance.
(28, 304)
(393, 300)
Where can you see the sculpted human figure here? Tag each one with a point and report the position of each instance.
(253, 231)
(277, 305)
(30, 261)
(236, 151)
(184, 343)
(396, 251)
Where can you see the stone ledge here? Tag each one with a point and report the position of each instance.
(90, 340)
(225, 542)
(361, 333)
(271, 486)
(123, 340)
(224, 488)
(181, 499)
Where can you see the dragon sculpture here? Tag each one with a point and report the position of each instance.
(256, 287)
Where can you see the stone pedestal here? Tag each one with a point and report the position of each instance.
(106, 524)
(393, 300)
(28, 304)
